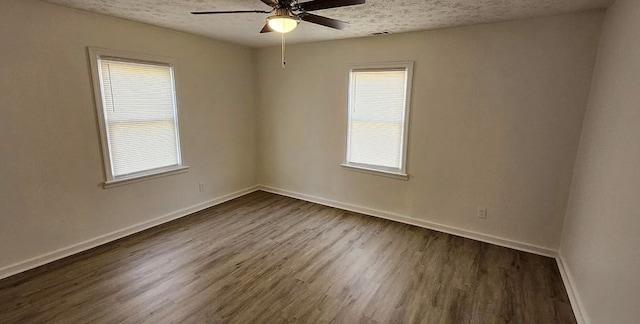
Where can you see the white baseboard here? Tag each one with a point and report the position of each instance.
(576, 305)
(86, 245)
(521, 246)
(569, 285)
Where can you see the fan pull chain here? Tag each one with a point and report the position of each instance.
(283, 61)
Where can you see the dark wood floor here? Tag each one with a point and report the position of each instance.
(264, 258)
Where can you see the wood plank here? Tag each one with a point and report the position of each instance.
(265, 258)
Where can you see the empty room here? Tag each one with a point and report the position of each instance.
(319, 161)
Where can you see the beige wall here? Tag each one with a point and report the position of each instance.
(495, 121)
(50, 165)
(601, 238)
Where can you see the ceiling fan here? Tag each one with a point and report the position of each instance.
(288, 13)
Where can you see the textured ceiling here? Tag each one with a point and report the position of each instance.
(395, 16)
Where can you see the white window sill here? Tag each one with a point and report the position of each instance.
(145, 176)
(383, 173)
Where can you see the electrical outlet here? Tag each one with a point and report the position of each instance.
(482, 212)
(202, 187)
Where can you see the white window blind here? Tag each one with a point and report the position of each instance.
(377, 118)
(140, 116)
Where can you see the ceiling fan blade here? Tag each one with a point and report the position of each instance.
(227, 12)
(326, 4)
(324, 21)
(266, 29)
(271, 3)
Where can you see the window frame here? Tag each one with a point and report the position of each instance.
(400, 173)
(95, 55)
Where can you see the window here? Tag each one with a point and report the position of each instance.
(138, 117)
(378, 118)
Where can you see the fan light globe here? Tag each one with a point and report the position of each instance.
(282, 23)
